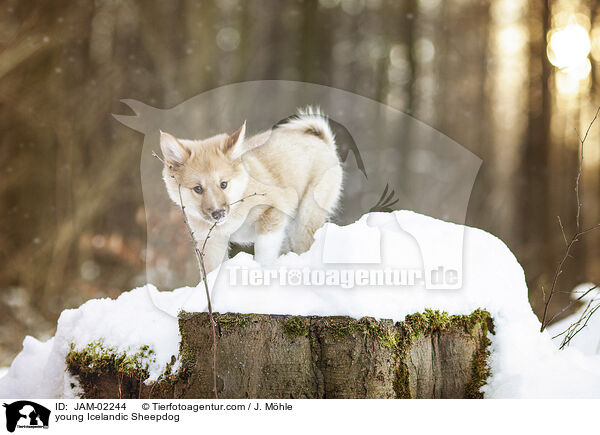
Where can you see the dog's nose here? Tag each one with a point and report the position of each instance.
(218, 214)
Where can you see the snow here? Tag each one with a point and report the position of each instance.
(523, 361)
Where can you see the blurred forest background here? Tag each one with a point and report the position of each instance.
(510, 80)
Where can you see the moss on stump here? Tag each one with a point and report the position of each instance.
(428, 355)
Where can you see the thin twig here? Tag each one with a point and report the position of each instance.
(578, 232)
(573, 302)
(543, 292)
(562, 230)
(200, 259)
(582, 142)
(159, 158)
(246, 197)
(577, 326)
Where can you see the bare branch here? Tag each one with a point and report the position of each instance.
(202, 267)
(576, 236)
(577, 326)
(200, 258)
(582, 142)
(246, 197)
(562, 230)
(164, 163)
(573, 302)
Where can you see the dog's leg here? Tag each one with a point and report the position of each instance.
(270, 233)
(309, 219)
(316, 205)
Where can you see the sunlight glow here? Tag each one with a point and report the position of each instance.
(568, 49)
(511, 39)
(569, 46)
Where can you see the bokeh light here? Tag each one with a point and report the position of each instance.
(569, 46)
(568, 49)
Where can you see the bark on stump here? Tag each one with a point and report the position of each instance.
(429, 355)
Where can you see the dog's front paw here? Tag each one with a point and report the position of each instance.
(265, 259)
(267, 248)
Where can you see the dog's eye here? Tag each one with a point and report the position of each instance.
(223, 184)
(198, 189)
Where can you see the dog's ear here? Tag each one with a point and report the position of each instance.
(174, 152)
(233, 145)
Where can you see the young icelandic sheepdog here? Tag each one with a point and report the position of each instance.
(274, 189)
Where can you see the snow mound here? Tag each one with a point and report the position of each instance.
(322, 281)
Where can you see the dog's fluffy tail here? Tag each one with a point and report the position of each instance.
(311, 121)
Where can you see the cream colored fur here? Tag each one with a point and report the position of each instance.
(294, 170)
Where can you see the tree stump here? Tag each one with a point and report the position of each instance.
(428, 355)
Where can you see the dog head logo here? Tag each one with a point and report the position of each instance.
(26, 414)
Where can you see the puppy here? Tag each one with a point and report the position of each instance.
(272, 190)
